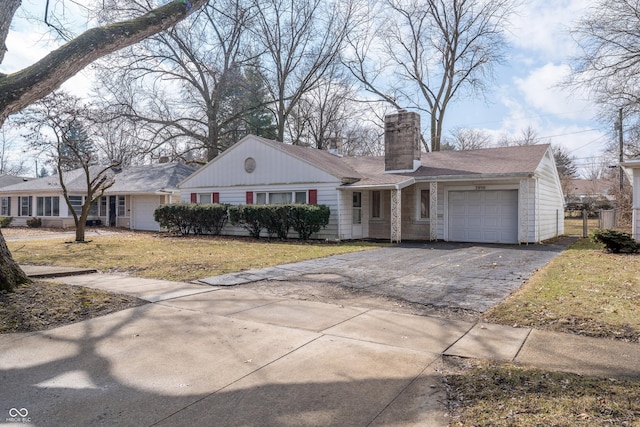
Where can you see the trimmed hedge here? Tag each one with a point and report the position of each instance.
(616, 241)
(277, 220)
(186, 218)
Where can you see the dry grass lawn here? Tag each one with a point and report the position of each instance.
(172, 257)
(583, 291)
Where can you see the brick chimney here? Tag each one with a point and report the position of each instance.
(401, 142)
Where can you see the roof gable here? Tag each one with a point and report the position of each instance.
(274, 163)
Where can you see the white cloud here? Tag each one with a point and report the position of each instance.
(542, 27)
(541, 88)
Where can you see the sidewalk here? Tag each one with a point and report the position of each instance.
(203, 355)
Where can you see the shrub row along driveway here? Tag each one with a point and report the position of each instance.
(458, 275)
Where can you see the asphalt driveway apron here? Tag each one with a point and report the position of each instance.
(460, 275)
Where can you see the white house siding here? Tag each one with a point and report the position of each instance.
(549, 212)
(272, 166)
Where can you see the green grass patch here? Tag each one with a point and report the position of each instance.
(584, 290)
(174, 258)
(491, 394)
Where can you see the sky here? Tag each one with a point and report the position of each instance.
(525, 92)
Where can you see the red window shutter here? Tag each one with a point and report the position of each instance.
(194, 198)
(215, 197)
(313, 197)
(249, 197)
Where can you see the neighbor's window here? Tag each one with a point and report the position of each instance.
(376, 205)
(425, 201)
(48, 206)
(24, 206)
(76, 203)
(5, 206)
(122, 211)
(93, 209)
(301, 197)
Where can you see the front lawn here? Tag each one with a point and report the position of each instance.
(173, 258)
(583, 291)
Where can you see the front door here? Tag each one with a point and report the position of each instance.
(356, 215)
(113, 205)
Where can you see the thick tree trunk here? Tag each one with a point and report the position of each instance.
(7, 10)
(11, 275)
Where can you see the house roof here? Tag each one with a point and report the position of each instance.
(488, 162)
(589, 186)
(6, 180)
(324, 160)
(133, 179)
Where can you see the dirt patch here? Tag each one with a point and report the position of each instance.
(43, 305)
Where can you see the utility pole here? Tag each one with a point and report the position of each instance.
(620, 141)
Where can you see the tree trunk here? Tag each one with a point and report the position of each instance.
(7, 10)
(11, 275)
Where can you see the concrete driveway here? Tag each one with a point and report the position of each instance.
(228, 356)
(460, 275)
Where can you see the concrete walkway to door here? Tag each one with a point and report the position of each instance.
(462, 275)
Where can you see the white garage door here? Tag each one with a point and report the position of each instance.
(483, 216)
(143, 207)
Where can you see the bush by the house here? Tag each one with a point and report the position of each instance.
(250, 217)
(191, 218)
(616, 241)
(309, 219)
(34, 223)
(5, 221)
(278, 219)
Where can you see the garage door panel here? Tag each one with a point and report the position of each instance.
(489, 216)
(144, 206)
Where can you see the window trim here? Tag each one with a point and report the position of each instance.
(267, 196)
(5, 206)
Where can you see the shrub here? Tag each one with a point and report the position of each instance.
(186, 218)
(277, 220)
(34, 222)
(249, 217)
(616, 241)
(5, 221)
(309, 219)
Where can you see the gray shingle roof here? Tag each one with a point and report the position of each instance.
(133, 179)
(6, 180)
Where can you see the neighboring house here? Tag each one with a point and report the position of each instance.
(137, 191)
(589, 192)
(497, 195)
(632, 167)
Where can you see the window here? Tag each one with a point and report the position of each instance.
(376, 205)
(204, 198)
(76, 203)
(357, 208)
(122, 211)
(425, 201)
(103, 205)
(281, 197)
(48, 206)
(93, 209)
(24, 206)
(5, 206)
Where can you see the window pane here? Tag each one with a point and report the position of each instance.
(301, 197)
(5, 207)
(25, 206)
(55, 206)
(76, 203)
(261, 198)
(40, 206)
(357, 199)
(375, 204)
(103, 205)
(93, 209)
(424, 204)
(279, 198)
(121, 206)
(205, 197)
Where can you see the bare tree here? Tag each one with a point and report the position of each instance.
(528, 136)
(468, 139)
(179, 81)
(58, 126)
(8, 167)
(22, 88)
(302, 40)
(434, 50)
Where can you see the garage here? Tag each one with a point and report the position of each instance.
(483, 216)
(143, 208)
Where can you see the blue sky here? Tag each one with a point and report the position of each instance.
(525, 92)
